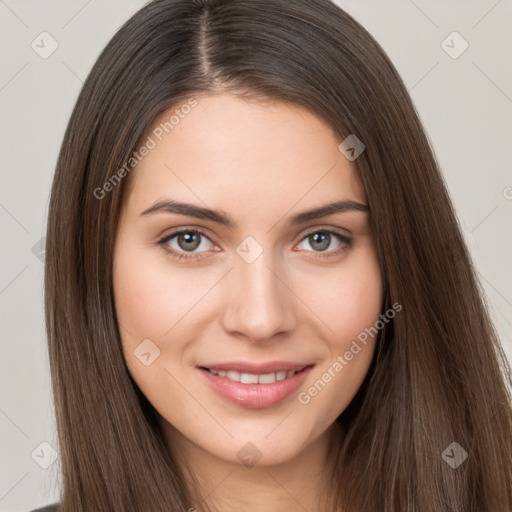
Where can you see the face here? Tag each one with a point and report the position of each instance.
(238, 311)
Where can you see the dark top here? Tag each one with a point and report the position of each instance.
(48, 508)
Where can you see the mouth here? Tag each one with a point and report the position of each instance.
(252, 386)
(251, 378)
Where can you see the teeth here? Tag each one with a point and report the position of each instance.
(267, 378)
(249, 378)
(233, 376)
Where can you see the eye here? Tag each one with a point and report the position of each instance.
(184, 243)
(187, 243)
(321, 240)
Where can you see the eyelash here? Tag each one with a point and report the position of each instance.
(346, 243)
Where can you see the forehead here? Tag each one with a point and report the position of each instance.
(242, 155)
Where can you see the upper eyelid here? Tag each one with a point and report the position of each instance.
(202, 232)
(180, 231)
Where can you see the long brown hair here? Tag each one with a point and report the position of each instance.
(439, 375)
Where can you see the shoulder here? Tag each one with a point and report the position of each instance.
(48, 508)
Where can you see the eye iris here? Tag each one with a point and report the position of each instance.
(189, 241)
(323, 238)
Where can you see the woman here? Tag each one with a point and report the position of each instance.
(257, 292)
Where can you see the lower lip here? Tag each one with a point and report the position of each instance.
(255, 396)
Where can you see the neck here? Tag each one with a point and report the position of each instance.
(303, 483)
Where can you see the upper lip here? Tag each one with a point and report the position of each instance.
(255, 368)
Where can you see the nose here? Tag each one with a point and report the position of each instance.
(259, 304)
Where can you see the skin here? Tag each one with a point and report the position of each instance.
(260, 163)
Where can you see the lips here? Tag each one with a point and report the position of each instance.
(253, 385)
(256, 368)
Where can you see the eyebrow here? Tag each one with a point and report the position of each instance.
(220, 217)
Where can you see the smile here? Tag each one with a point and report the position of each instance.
(249, 388)
(249, 378)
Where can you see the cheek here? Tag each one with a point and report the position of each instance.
(138, 297)
(358, 304)
(347, 299)
(151, 298)
(359, 308)
(353, 317)
(350, 306)
(149, 303)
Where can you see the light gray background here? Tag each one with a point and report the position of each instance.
(465, 105)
